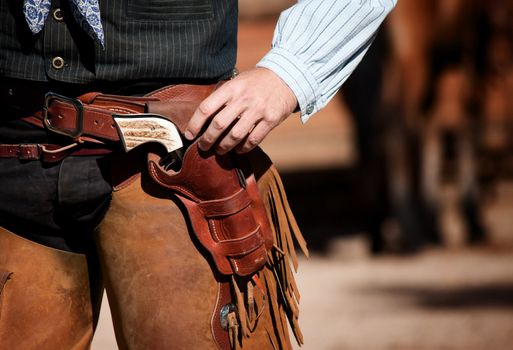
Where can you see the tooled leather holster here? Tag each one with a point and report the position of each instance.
(224, 208)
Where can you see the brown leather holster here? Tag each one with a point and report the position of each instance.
(224, 206)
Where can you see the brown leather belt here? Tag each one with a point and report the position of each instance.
(87, 121)
(47, 153)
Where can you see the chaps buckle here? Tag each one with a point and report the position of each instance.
(76, 130)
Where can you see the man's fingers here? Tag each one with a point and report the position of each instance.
(218, 125)
(238, 132)
(207, 108)
(256, 136)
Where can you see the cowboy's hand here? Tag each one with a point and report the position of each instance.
(242, 111)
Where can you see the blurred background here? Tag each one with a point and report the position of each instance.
(403, 184)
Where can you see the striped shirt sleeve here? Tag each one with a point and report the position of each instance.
(318, 43)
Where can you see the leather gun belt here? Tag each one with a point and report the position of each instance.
(86, 123)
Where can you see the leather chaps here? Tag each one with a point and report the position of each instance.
(46, 300)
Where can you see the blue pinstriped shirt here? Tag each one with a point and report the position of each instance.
(318, 43)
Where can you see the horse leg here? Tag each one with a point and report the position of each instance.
(431, 168)
(401, 147)
(361, 94)
(468, 187)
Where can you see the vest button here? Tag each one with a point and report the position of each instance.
(57, 62)
(57, 15)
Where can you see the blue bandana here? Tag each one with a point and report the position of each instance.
(86, 13)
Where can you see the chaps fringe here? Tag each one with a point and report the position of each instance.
(274, 286)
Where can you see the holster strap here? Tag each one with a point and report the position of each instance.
(238, 247)
(228, 206)
(225, 206)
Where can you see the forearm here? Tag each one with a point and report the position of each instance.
(318, 43)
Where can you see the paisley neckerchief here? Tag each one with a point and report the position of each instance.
(86, 13)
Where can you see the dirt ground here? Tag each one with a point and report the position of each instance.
(455, 298)
(438, 300)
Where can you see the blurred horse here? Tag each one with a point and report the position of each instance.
(431, 90)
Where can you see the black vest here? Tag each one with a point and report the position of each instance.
(144, 40)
